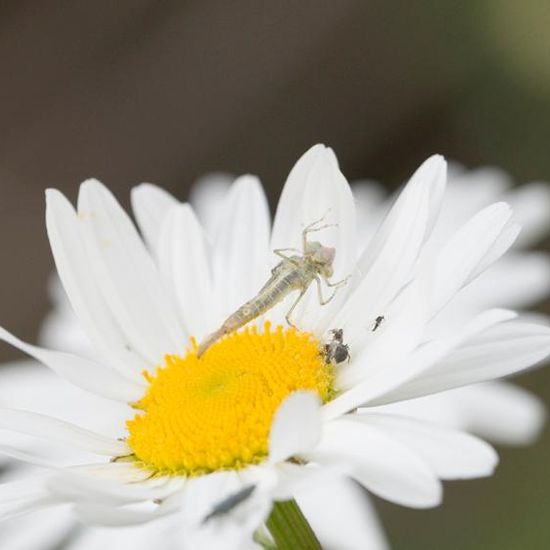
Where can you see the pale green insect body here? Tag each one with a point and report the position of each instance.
(292, 273)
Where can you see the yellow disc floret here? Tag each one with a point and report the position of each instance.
(215, 412)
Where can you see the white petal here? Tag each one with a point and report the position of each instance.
(96, 514)
(296, 426)
(531, 206)
(183, 260)
(517, 280)
(241, 254)
(85, 373)
(404, 322)
(291, 479)
(503, 243)
(127, 275)
(384, 381)
(372, 206)
(34, 458)
(202, 493)
(151, 205)
(135, 537)
(470, 250)
(500, 412)
(38, 531)
(232, 530)
(24, 496)
(342, 516)
(501, 350)
(388, 263)
(483, 322)
(316, 189)
(288, 206)
(27, 385)
(75, 271)
(379, 463)
(450, 453)
(22, 488)
(207, 198)
(61, 329)
(378, 383)
(81, 485)
(59, 431)
(466, 194)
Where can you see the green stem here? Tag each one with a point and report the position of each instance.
(290, 529)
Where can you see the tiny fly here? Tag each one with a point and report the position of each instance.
(336, 351)
(296, 272)
(377, 322)
(227, 504)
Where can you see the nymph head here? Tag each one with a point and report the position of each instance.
(321, 256)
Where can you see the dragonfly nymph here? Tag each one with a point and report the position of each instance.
(293, 273)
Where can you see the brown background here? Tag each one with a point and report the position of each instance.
(133, 91)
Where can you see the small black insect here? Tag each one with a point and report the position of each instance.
(336, 351)
(229, 503)
(377, 322)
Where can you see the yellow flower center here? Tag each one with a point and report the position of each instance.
(215, 412)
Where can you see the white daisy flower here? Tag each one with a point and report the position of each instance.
(262, 408)
(498, 411)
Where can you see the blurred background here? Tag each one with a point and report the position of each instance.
(139, 90)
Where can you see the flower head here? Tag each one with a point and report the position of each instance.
(263, 407)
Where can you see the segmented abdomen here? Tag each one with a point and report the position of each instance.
(270, 297)
(280, 285)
